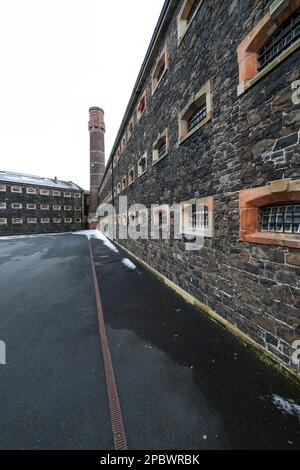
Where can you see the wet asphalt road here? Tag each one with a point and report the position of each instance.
(184, 382)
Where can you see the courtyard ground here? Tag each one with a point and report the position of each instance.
(183, 381)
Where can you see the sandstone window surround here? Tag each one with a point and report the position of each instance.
(56, 193)
(198, 214)
(56, 221)
(2, 188)
(160, 69)
(2, 205)
(252, 46)
(142, 165)
(44, 192)
(142, 105)
(252, 205)
(77, 195)
(124, 183)
(16, 205)
(160, 147)
(186, 15)
(68, 220)
(3, 221)
(77, 209)
(30, 190)
(31, 207)
(77, 220)
(123, 144)
(32, 220)
(130, 129)
(67, 194)
(119, 188)
(16, 189)
(67, 208)
(197, 113)
(44, 207)
(131, 176)
(56, 208)
(16, 221)
(45, 221)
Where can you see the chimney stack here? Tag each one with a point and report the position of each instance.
(97, 159)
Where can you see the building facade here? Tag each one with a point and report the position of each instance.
(32, 205)
(215, 116)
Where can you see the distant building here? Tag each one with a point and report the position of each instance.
(32, 204)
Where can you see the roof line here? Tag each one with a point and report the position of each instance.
(163, 20)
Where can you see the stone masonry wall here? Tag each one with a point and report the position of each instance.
(252, 139)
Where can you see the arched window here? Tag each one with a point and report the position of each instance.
(284, 37)
(272, 40)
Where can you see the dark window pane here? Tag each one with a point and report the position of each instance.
(281, 218)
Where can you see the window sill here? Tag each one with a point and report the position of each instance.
(142, 174)
(181, 140)
(245, 86)
(160, 159)
(269, 238)
(159, 82)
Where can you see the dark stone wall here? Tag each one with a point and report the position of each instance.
(23, 198)
(252, 140)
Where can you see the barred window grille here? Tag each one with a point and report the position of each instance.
(192, 10)
(196, 118)
(281, 40)
(281, 218)
(162, 149)
(199, 219)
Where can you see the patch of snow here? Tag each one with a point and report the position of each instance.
(100, 236)
(18, 237)
(129, 264)
(287, 406)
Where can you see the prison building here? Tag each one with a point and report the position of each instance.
(214, 117)
(33, 205)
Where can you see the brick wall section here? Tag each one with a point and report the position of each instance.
(24, 198)
(252, 140)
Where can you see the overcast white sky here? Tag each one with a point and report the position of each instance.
(58, 58)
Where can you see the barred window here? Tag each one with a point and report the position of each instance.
(200, 218)
(31, 220)
(131, 177)
(44, 192)
(16, 221)
(67, 208)
(192, 10)
(44, 207)
(197, 117)
(77, 220)
(31, 206)
(283, 38)
(77, 209)
(142, 165)
(141, 107)
(281, 218)
(77, 195)
(160, 68)
(56, 193)
(16, 205)
(67, 194)
(30, 191)
(56, 208)
(3, 221)
(160, 147)
(2, 188)
(2, 205)
(16, 189)
(45, 221)
(56, 221)
(68, 220)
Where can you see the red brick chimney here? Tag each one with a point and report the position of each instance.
(97, 159)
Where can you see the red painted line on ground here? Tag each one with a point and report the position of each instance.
(113, 397)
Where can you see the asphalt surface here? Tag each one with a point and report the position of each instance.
(52, 387)
(184, 382)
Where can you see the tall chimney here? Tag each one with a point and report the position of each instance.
(97, 159)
